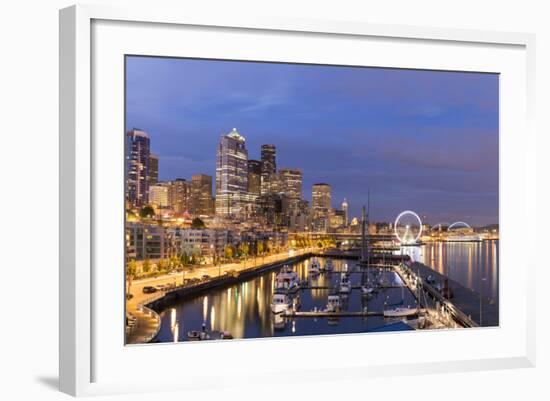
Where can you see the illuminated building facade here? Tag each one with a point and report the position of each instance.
(137, 168)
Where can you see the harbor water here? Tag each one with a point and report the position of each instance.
(244, 309)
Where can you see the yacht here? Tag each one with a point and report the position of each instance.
(333, 303)
(314, 267)
(345, 284)
(280, 303)
(400, 311)
(287, 280)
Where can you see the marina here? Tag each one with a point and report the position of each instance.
(289, 298)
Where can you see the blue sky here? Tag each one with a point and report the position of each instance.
(420, 140)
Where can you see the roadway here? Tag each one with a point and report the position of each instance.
(148, 324)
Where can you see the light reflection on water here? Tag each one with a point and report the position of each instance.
(465, 262)
(245, 309)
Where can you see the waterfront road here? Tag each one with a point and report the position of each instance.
(147, 322)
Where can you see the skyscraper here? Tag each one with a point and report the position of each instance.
(178, 195)
(320, 196)
(137, 168)
(269, 166)
(254, 176)
(321, 204)
(345, 208)
(201, 195)
(291, 180)
(231, 175)
(153, 176)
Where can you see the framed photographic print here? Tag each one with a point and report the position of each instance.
(238, 190)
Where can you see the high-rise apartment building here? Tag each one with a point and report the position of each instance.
(201, 202)
(137, 168)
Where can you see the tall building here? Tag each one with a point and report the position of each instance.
(153, 176)
(321, 204)
(320, 196)
(178, 195)
(269, 166)
(232, 195)
(201, 202)
(345, 208)
(137, 168)
(291, 183)
(254, 176)
(158, 195)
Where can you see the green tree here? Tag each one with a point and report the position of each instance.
(162, 265)
(146, 267)
(260, 248)
(147, 212)
(174, 262)
(197, 223)
(228, 252)
(131, 270)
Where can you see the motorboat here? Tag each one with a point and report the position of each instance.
(333, 303)
(195, 335)
(279, 322)
(225, 335)
(287, 280)
(328, 265)
(280, 302)
(314, 267)
(367, 290)
(345, 284)
(400, 311)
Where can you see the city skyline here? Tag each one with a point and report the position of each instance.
(427, 170)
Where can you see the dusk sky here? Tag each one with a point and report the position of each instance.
(420, 140)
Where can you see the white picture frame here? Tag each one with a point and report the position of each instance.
(81, 211)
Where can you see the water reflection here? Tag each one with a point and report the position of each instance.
(465, 262)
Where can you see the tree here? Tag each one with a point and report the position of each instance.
(260, 248)
(131, 270)
(228, 251)
(146, 266)
(161, 265)
(147, 212)
(174, 262)
(197, 223)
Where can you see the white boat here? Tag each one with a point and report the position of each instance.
(400, 311)
(367, 290)
(280, 303)
(345, 284)
(333, 303)
(328, 265)
(314, 267)
(287, 280)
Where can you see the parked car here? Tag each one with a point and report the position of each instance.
(205, 277)
(149, 289)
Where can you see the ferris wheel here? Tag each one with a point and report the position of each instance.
(408, 227)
